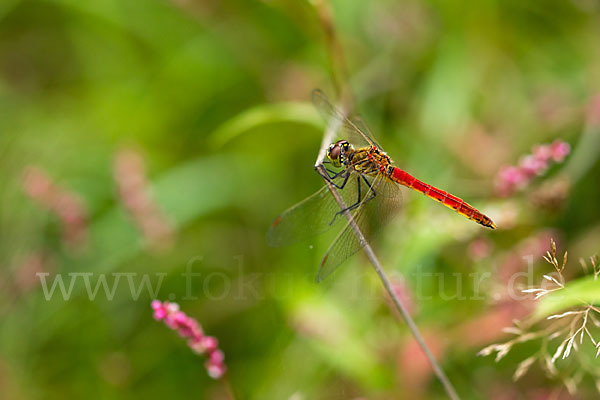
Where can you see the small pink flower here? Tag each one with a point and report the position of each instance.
(210, 343)
(560, 150)
(532, 165)
(512, 175)
(542, 152)
(215, 371)
(217, 357)
(189, 328)
(160, 314)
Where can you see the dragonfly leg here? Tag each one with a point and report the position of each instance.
(329, 174)
(371, 189)
(353, 206)
(359, 200)
(343, 183)
(335, 175)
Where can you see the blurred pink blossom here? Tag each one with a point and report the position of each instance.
(415, 367)
(134, 191)
(513, 178)
(26, 271)
(66, 204)
(189, 328)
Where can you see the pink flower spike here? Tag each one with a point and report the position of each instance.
(512, 178)
(136, 195)
(189, 328)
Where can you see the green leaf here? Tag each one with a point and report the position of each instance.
(579, 292)
(262, 115)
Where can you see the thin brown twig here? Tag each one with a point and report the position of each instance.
(332, 127)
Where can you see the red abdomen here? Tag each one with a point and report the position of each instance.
(453, 202)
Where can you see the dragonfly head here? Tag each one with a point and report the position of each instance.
(336, 152)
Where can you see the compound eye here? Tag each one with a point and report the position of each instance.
(334, 152)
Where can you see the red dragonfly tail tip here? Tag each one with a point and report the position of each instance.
(487, 222)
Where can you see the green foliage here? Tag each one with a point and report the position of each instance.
(580, 292)
(214, 96)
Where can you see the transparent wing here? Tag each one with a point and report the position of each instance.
(370, 216)
(354, 129)
(313, 215)
(362, 127)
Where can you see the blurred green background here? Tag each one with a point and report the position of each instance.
(149, 137)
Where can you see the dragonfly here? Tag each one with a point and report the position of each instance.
(368, 183)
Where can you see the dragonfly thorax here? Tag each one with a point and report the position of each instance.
(337, 152)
